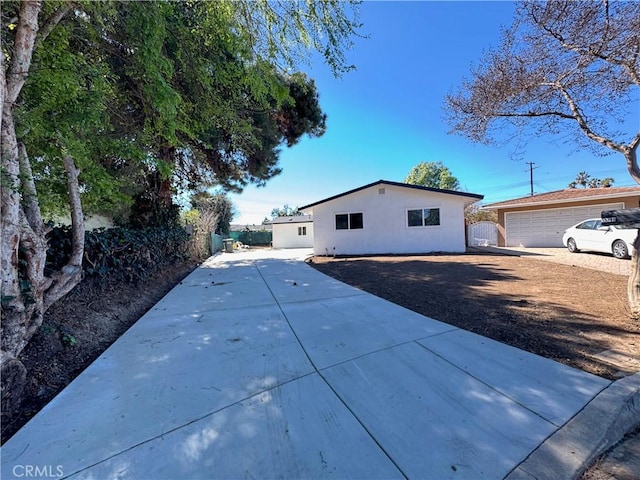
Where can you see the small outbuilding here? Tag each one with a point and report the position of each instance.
(387, 217)
(540, 220)
(292, 231)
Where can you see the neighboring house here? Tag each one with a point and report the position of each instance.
(293, 231)
(540, 220)
(91, 222)
(389, 217)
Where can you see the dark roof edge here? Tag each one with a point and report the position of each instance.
(291, 219)
(394, 184)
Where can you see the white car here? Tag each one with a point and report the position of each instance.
(593, 236)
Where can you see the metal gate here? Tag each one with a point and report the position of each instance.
(482, 234)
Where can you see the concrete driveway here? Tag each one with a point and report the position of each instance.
(258, 366)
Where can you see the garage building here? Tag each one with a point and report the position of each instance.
(540, 220)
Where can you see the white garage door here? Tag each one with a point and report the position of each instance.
(544, 228)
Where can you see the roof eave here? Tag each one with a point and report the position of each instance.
(561, 200)
(473, 196)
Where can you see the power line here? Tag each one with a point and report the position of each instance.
(504, 187)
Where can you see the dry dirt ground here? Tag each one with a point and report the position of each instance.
(574, 315)
(566, 313)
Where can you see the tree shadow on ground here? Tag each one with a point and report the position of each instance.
(557, 311)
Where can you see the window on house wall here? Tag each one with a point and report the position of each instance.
(302, 231)
(423, 217)
(349, 221)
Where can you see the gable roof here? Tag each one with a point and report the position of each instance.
(566, 196)
(395, 184)
(292, 219)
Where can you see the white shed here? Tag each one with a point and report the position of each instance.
(292, 232)
(389, 217)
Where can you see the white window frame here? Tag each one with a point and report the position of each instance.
(302, 230)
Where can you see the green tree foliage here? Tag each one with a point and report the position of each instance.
(606, 182)
(285, 211)
(140, 92)
(283, 31)
(64, 108)
(300, 114)
(584, 180)
(434, 175)
(212, 113)
(106, 101)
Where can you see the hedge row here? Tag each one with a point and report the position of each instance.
(120, 254)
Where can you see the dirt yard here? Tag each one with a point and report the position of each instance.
(566, 313)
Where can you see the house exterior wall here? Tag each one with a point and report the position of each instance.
(628, 202)
(285, 235)
(91, 222)
(385, 230)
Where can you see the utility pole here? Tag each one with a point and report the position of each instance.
(531, 164)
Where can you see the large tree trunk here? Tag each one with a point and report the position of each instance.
(633, 285)
(13, 306)
(26, 292)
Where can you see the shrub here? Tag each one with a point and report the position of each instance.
(121, 254)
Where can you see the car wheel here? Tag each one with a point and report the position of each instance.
(571, 245)
(619, 249)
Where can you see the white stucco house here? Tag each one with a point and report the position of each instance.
(292, 232)
(387, 217)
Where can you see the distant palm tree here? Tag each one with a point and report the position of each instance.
(587, 181)
(606, 182)
(582, 179)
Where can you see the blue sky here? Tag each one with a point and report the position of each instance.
(387, 116)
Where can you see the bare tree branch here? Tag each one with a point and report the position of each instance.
(534, 115)
(561, 60)
(584, 125)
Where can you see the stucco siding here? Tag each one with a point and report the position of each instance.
(287, 235)
(385, 230)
